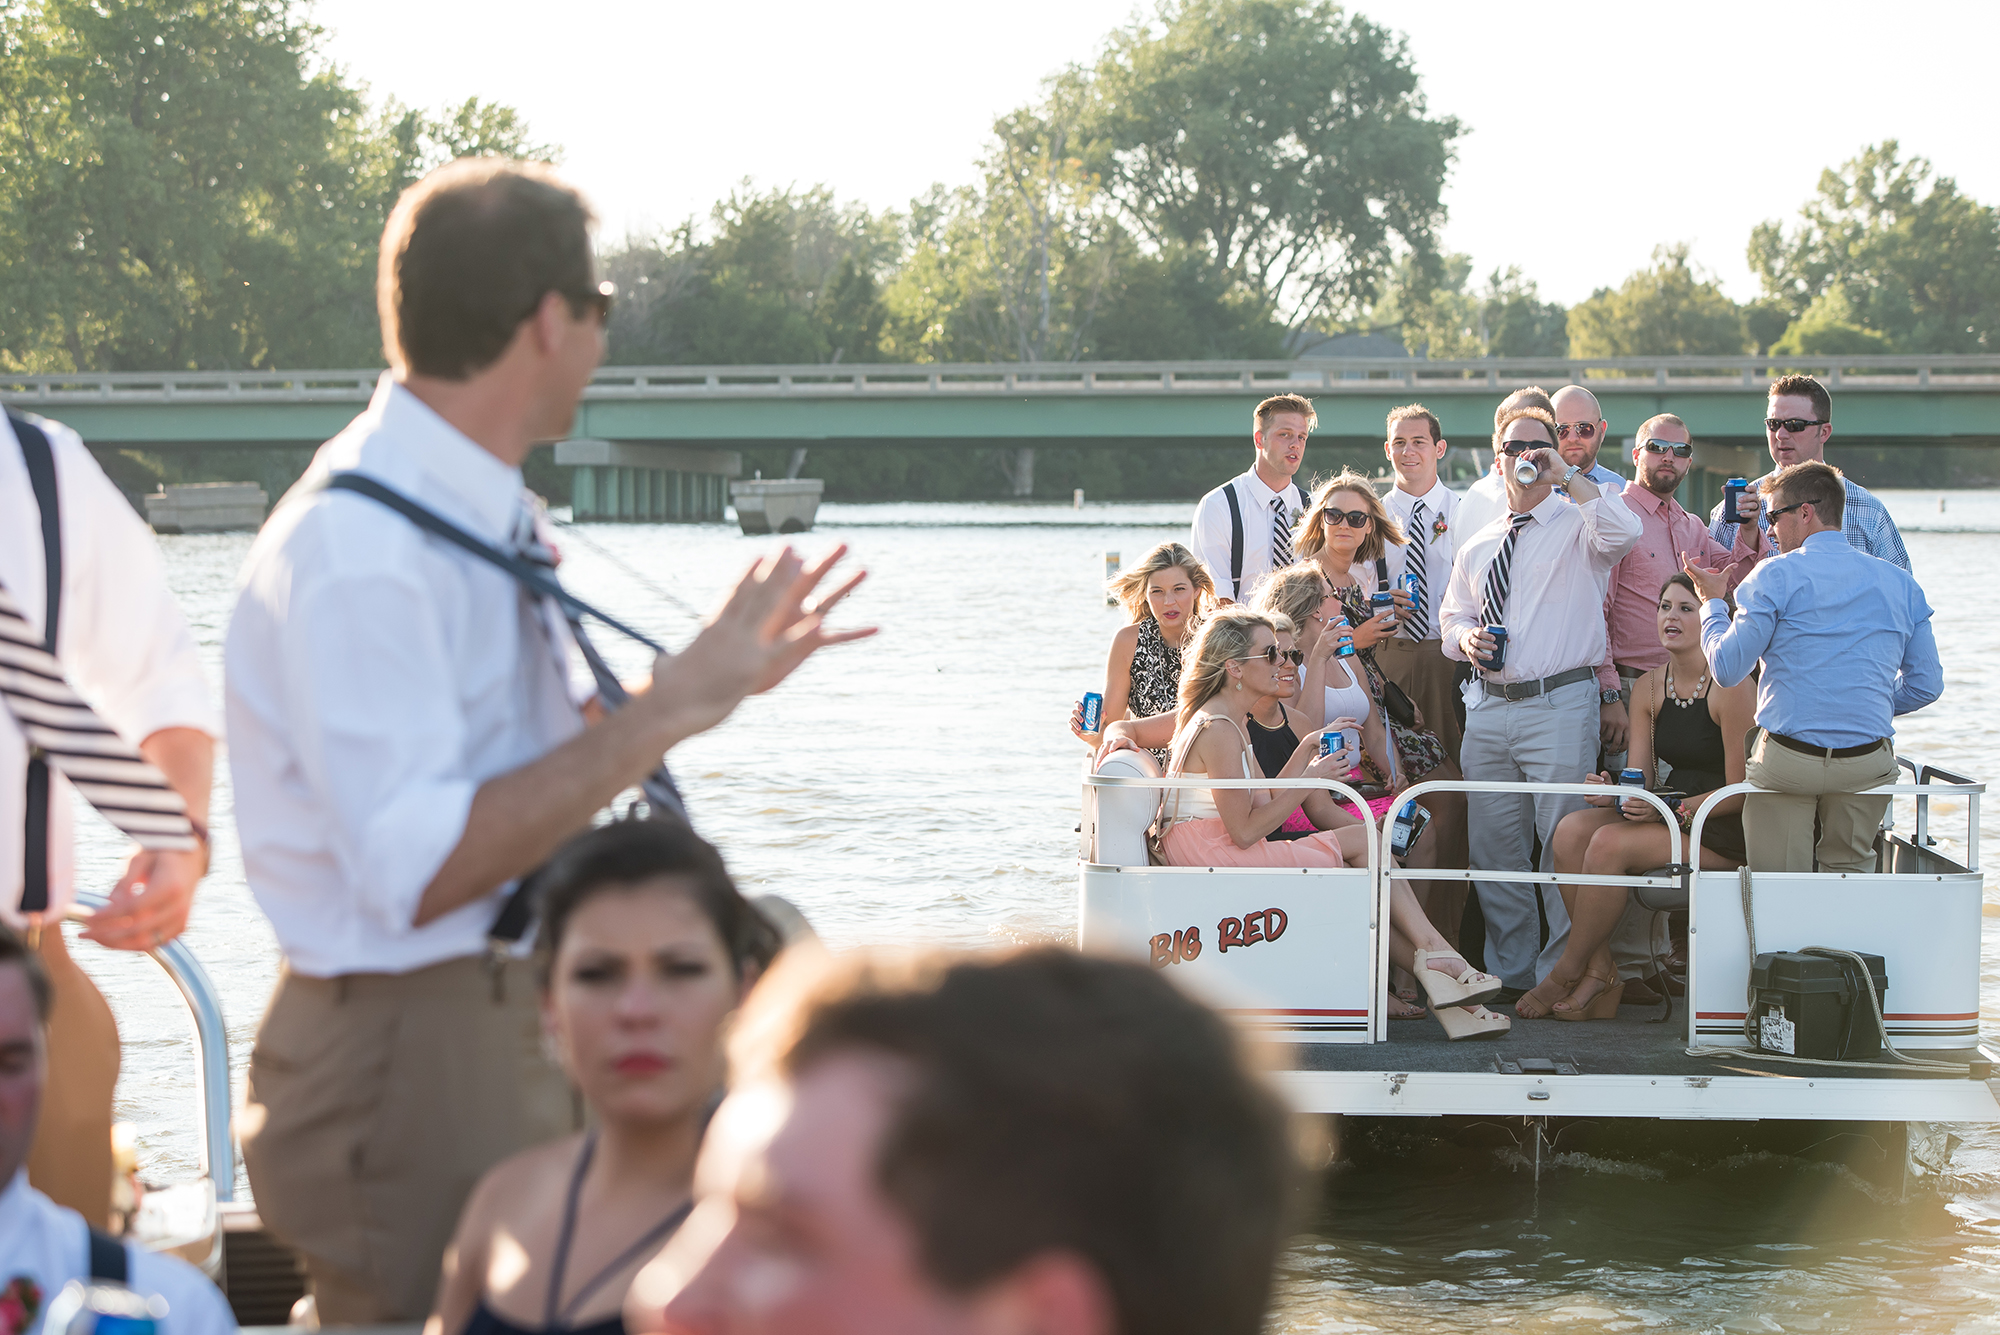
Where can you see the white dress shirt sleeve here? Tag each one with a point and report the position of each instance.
(378, 731)
(123, 640)
(1209, 536)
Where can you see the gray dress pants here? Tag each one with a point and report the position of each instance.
(1550, 738)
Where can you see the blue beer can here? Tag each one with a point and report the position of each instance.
(1499, 659)
(1093, 711)
(1632, 778)
(1731, 489)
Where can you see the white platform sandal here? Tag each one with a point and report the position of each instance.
(1467, 989)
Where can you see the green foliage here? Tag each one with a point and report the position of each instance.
(182, 187)
(1915, 262)
(1282, 145)
(781, 276)
(1667, 310)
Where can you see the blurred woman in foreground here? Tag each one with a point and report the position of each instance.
(1243, 666)
(645, 949)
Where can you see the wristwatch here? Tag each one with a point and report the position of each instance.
(1574, 469)
(1610, 697)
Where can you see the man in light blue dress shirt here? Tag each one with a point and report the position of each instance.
(1846, 645)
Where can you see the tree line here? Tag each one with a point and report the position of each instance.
(185, 184)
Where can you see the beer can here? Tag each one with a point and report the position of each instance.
(1499, 659)
(1093, 712)
(1731, 489)
(1632, 778)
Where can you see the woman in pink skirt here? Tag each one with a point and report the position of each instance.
(1244, 664)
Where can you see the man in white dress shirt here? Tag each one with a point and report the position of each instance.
(1427, 509)
(406, 744)
(1541, 574)
(1243, 529)
(43, 1243)
(123, 645)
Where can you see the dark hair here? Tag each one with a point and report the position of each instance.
(1815, 482)
(1822, 402)
(468, 253)
(625, 853)
(14, 951)
(1412, 412)
(1055, 1101)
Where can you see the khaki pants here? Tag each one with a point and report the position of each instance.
(1430, 680)
(375, 1103)
(71, 1157)
(1778, 826)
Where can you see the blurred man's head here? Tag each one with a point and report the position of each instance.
(1041, 1141)
(1580, 425)
(1798, 420)
(24, 1018)
(1662, 454)
(487, 260)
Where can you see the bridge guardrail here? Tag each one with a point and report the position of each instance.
(1979, 372)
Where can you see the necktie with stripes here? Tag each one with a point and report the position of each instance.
(67, 733)
(1281, 534)
(1493, 605)
(1416, 563)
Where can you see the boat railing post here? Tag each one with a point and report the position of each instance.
(211, 1047)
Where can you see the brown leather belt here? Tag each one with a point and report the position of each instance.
(1824, 752)
(1528, 690)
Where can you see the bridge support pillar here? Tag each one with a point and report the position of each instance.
(1018, 466)
(620, 481)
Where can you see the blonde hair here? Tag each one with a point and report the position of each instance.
(1311, 539)
(1129, 587)
(1294, 593)
(1225, 635)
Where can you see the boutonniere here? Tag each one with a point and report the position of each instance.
(20, 1304)
(1438, 528)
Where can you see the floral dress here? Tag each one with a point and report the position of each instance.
(1156, 677)
(1418, 750)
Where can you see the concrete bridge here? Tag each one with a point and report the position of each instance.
(695, 420)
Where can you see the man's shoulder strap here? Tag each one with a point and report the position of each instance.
(1235, 540)
(108, 1258)
(41, 461)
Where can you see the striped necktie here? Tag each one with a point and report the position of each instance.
(1416, 564)
(1493, 606)
(67, 733)
(1281, 534)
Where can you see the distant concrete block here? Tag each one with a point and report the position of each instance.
(782, 505)
(207, 507)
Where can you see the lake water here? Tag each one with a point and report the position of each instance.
(921, 786)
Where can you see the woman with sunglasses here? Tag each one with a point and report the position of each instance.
(1679, 716)
(1343, 534)
(1244, 665)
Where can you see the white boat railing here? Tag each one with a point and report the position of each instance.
(211, 1048)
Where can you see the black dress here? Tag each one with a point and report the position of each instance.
(1690, 741)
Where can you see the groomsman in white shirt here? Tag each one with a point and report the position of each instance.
(120, 641)
(406, 744)
(1541, 574)
(1243, 529)
(1427, 509)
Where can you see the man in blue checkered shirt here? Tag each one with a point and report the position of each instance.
(1797, 426)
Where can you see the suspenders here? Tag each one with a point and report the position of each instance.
(42, 478)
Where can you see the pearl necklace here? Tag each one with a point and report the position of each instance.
(1700, 688)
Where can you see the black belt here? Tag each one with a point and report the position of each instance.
(1528, 690)
(1825, 752)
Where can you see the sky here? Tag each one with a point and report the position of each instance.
(1612, 129)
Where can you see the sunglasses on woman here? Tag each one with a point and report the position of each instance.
(1272, 654)
(1354, 518)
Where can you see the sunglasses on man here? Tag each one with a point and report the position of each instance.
(1679, 449)
(1353, 518)
(1792, 425)
(1273, 654)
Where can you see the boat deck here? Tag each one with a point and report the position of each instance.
(1626, 1067)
